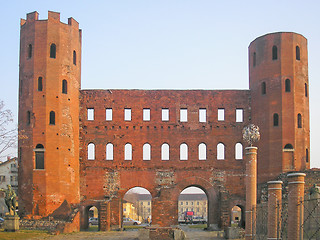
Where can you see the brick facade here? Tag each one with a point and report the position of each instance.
(72, 173)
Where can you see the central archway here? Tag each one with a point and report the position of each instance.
(137, 207)
(193, 207)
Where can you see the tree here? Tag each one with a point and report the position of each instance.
(8, 132)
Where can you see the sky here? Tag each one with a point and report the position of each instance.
(168, 44)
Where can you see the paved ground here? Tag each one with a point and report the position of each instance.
(128, 235)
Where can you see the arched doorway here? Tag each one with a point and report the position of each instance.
(92, 218)
(137, 207)
(237, 216)
(193, 207)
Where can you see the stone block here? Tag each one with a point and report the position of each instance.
(11, 223)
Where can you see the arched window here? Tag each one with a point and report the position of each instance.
(238, 151)
(299, 121)
(275, 119)
(91, 151)
(263, 88)
(165, 151)
(220, 151)
(109, 151)
(40, 86)
(274, 53)
(28, 117)
(254, 59)
(53, 50)
(307, 155)
(306, 90)
(288, 146)
(74, 57)
(52, 118)
(146, 151)
(202, 151)
(297, 52)
(39, 156)
(128, 152)
(29, 51)
(287, 85)
(183, 151)
(64, 86)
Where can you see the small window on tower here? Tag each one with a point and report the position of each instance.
(74, 58)
(274, 53)
(299, 121)
(297, 52)
(306, 90)
(275, 119)
(64, 86)
(40, 86)
(254, 59)
(263, 88)
(29, 51)
(90, 114)
(53, 50)
(288, 85)
(52, 118)
(146, 114)
(39, 156)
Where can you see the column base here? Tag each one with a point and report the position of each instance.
(163, 233)
(11, 223)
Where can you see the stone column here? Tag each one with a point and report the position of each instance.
(274, 208)
(251, 191)
(295, 207)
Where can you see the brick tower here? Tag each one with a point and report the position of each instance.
(278, 72)
(49, 83)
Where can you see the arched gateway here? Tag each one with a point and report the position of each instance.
(97, 144)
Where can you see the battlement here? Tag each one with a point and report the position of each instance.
(52, 16)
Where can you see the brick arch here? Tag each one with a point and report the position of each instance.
(85, 213)
(212, 192)
(242, 204)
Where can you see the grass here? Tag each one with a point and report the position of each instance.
(197, 226)
(23, 234)
(133, 227)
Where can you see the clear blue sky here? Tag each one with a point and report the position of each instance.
(175, 44)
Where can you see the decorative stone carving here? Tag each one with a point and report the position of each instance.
(251, 134)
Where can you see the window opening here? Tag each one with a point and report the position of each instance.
(275, 120)
(53, 51)
(183, 151)
(183, 115)
(165, 151)
(297, 52)
(91, 151)
(307, 155)
(90, 114)
(202, 149)
(109, 151)
(220, 151)
(202, 115)
(40, 84)
(128, 152)
(239, 115)
(274, 53)
(29, 51)
(146, 114)
(299, 121)
(74, 57)
(221, 114)
(254, 59)
(238, 151)
(165, 114)
(263, 88)
(108, 114)
(64, 86)
(127, 114)
(39, 156)
(288, 146)
(306, 90)
(52, 118)
(146, 151)
(287, 85)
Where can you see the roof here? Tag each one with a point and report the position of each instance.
(192, 196)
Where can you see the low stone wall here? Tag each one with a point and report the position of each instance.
(47, 225)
